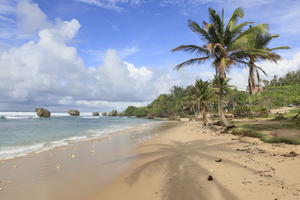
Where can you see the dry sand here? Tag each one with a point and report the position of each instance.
(176, 166)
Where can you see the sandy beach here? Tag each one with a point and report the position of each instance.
(178, 163)
(175, 160)
(75, 171)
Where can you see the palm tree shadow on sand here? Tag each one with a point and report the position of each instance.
(185, 176)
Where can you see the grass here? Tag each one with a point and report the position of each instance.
(256, 130)
(275, 139)
(289, 114)
(247, 132)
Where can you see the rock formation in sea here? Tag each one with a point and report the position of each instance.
(95, 114)
(42, 112)
(113, 113)
(74, 112)
(104, 114)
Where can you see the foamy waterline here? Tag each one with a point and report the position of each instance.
(11, 152)
(32, 115)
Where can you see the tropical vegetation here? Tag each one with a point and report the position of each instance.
(228, 44)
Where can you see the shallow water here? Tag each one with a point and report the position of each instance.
(22, 132)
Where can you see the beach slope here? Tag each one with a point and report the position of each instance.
(192, 162)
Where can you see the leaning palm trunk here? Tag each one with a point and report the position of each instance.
(223, 119)
(251, 79)
(251, 83)
(204, 115)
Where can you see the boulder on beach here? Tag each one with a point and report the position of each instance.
(74, 112)
(95, 114)
(42, 112)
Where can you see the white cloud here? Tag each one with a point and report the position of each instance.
(282, 67)
(30, 18)
(111, 4)
(21, 19)
(49, 72)
(129, 51)
(197, 3)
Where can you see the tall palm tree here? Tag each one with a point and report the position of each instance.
(226, 44)
(203, 94)
(261, 52)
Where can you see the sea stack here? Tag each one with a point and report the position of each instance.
(42, 112)
(74, 112)
(95, 114)
(113, 113)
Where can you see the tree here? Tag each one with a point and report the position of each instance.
(203, 95)
(259, 52)
(225, 45)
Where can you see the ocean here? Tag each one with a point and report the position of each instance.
(22, 133)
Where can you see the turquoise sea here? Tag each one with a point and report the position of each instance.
(23, 132)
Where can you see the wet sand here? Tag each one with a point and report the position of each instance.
(177, 165)
(77, 171)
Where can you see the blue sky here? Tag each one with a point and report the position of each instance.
(105, 54)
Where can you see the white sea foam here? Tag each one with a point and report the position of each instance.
(10, 152)
(32, 115)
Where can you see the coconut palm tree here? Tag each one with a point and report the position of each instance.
(226, 44)
(203, 94)
(261, 52)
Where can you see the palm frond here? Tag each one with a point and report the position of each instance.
(248, 35)
(191, 61)
(238, 13)
(279, 48)
(191, 49)
(200, 31)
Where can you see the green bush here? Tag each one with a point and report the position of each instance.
(140, 112)
(242, 111)
(261, 111)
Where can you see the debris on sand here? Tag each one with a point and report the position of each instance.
(291, 154)
(218, 160)
(210, 178)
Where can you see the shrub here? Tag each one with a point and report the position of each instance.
(262, 111)
(242, 111)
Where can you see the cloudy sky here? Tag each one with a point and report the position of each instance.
(106, 54)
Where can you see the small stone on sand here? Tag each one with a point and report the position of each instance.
(1, 189)
(219, 160)
(15, 166)
(92, 151)
(210, 178)
(73, 156)
(57, 167)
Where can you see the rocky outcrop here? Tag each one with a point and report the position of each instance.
(95, 114)
(149, 116)
(104, 114)
(74, 112)
(42, 112)
(113, 113)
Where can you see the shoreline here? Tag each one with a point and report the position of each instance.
(74, 171)
(31, 149)
(176, 165)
